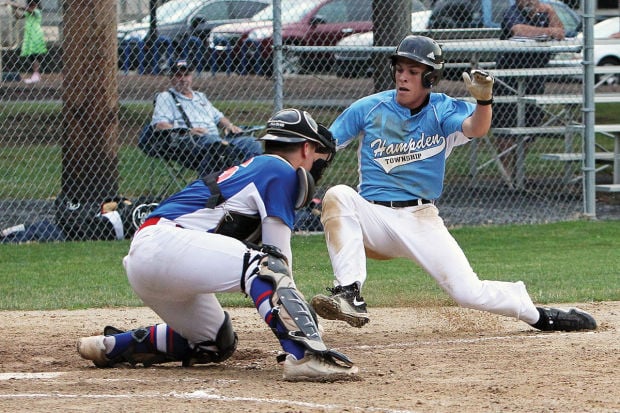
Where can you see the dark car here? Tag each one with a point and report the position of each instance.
(178, 21)
(248, 45)
(451, 20)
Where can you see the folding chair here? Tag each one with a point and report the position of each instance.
(184, 157)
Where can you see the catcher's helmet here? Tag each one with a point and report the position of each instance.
(423, 50)
(294, 125)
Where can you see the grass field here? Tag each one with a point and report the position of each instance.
(561, 262)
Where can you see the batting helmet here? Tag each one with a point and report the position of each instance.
(294, 125)
(423, 50)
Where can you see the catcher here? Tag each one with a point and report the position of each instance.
(204, 240)
(406, 135)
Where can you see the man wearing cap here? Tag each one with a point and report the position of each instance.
(180, 107)
(204, 240)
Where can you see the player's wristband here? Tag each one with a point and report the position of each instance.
(485, 102)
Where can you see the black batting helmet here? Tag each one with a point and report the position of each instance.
(423, 50)
(294, 125)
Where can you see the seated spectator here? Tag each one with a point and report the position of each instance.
(181, 108)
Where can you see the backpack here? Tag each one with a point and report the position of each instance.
(109, 219)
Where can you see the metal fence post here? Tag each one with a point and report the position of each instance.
(198, 47)
(278, 81)
(166, 41)
(589, 167)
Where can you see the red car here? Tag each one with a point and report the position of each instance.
(247, 46)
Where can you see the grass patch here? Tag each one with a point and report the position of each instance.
(560, 262)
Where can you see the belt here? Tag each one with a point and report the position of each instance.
(149, 222)
(153, 221)
(403, 204)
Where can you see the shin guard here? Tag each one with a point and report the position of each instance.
(288, 305)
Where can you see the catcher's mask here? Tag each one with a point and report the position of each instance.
(294, 125)
(423, 50)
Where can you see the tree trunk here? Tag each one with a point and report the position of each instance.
(390, 24)
(90, 100)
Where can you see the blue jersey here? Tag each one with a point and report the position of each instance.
(513, 16)
(266, 185)
(513, 60)
(402, 156)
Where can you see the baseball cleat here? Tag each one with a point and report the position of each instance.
(92, 348)
(555, 319)
(315, 368)
(344, 304)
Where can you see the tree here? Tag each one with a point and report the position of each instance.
(90, 101)
(151, 36)
(390, 24)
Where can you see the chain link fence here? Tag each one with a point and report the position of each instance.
(73, 166)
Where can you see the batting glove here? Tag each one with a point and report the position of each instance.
(480, 85)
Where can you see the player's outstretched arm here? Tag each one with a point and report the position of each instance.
(480, 86)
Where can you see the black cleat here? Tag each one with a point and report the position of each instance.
(554, 319)
(344, 304)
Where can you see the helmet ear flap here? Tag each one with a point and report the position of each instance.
(428, 79)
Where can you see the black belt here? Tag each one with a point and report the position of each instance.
(402, 204)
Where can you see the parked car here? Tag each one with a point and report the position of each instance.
(606, 49)
(178, 20)
(248, 45)
(450, 20)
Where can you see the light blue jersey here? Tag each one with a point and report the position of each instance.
(402, 156)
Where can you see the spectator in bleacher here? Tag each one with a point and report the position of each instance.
(525, 19)
(33, 43)
(182, 107)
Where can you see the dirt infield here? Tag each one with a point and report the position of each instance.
(411, 360)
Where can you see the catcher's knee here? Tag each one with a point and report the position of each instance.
(218, 350)
(273, 267)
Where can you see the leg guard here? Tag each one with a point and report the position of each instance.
(141, 346)
(216, 351)
(289, 306)
(133, 356)
(290, 317)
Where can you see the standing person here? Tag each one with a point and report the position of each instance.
(524, 19)
(184, 108)
(199, 242)
(406, 135)
(33, 43)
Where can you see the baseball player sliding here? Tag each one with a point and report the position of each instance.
(201, 241)
(406, 135)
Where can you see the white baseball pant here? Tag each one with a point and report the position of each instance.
(355, 228)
